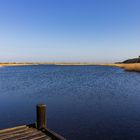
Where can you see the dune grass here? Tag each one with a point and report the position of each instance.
(128, 67)
(131, 67)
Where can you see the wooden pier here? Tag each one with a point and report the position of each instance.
(37, 131)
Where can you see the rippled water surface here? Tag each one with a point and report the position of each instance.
(83, 102)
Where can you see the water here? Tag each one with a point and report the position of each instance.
(83, 102)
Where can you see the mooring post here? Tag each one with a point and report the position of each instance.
(41, 116)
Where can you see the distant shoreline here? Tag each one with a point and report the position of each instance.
(49, 63)
(56, 63)
(12, 64)
(127, 67)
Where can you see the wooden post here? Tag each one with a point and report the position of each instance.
(41, 116)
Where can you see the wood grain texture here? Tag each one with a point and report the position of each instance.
(23, 133)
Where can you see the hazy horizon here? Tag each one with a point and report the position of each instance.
(99, 31)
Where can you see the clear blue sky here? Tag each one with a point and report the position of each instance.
(69, 30)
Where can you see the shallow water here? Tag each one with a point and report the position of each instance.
(83, 102)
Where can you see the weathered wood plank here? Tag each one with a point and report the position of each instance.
(53, 135)
(17, 135)
(45, 138)
(41, 137)
(28, 133)
(32, 136)
(12, 129)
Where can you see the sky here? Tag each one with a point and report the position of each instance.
(69, 30)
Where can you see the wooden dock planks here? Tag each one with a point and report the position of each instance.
(36, 131)
(23, 133)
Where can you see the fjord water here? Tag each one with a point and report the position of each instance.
(83, 102)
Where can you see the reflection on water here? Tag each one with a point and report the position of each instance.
(84, 102)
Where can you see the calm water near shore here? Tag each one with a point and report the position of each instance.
(83, 102)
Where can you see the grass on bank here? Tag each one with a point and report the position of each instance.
(131, 67)
(128, 67)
